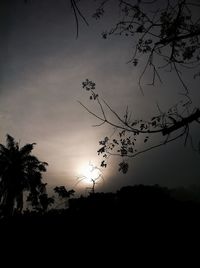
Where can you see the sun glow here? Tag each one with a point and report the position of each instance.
(89, 173)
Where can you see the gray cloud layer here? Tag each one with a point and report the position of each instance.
(42, 67)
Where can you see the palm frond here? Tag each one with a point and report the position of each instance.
(26, 149)
(11, 144)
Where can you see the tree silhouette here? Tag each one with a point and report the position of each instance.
(130, 135)
(165, 32)
(45, 201)
(63, 193)
(166, 37)
(19, 171)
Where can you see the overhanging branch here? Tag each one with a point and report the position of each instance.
(184, 122)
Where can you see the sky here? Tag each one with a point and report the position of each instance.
(42, 66)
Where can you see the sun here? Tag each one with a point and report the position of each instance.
(89, 173)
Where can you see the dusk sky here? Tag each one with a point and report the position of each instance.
(42, 67)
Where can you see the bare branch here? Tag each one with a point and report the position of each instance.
(75, 11)
(180, 79)
(76, 18)
(89, 111)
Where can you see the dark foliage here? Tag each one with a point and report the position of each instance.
(133, 217)
(62, 191)
(165, 36)
(130, 204)
(19, 171)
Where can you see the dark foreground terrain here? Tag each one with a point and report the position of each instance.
(148, 220)
(132, 209)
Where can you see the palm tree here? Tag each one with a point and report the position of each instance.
(19, 171)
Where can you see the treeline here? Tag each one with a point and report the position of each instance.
(21, 176)
(130, 202)
(138, 214)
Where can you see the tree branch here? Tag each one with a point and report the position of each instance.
(178, 38)
(184, 122)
